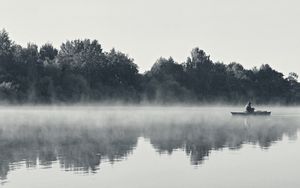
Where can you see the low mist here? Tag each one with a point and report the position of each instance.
(80, 137)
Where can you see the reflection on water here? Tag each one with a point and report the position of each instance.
(80, 140)
(78, 149)
(199, 139)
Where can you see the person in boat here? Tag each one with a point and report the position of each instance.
(249, 108)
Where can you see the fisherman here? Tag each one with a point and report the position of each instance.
(249, 109)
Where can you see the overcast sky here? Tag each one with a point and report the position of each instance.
(250, 32)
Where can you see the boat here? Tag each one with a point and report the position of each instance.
(255, 113)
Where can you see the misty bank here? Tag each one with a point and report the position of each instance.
(81, 72)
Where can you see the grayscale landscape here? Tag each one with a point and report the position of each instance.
(149, 94)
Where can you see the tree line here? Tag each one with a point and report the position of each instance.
(80, 71)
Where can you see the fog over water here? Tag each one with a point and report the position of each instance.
(147, 146)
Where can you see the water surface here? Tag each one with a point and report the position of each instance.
(147, 147)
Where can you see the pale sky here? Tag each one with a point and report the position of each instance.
(250, 32)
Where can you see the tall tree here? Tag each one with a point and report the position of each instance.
(198, 68)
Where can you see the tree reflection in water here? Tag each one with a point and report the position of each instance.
(76, 148)
(83, 147)
(199, 139)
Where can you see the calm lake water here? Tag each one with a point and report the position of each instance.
(135, 147)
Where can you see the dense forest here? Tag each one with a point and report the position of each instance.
(80, 71)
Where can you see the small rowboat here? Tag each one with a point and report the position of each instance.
(256, 113)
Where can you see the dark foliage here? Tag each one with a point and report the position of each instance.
(82, 72)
